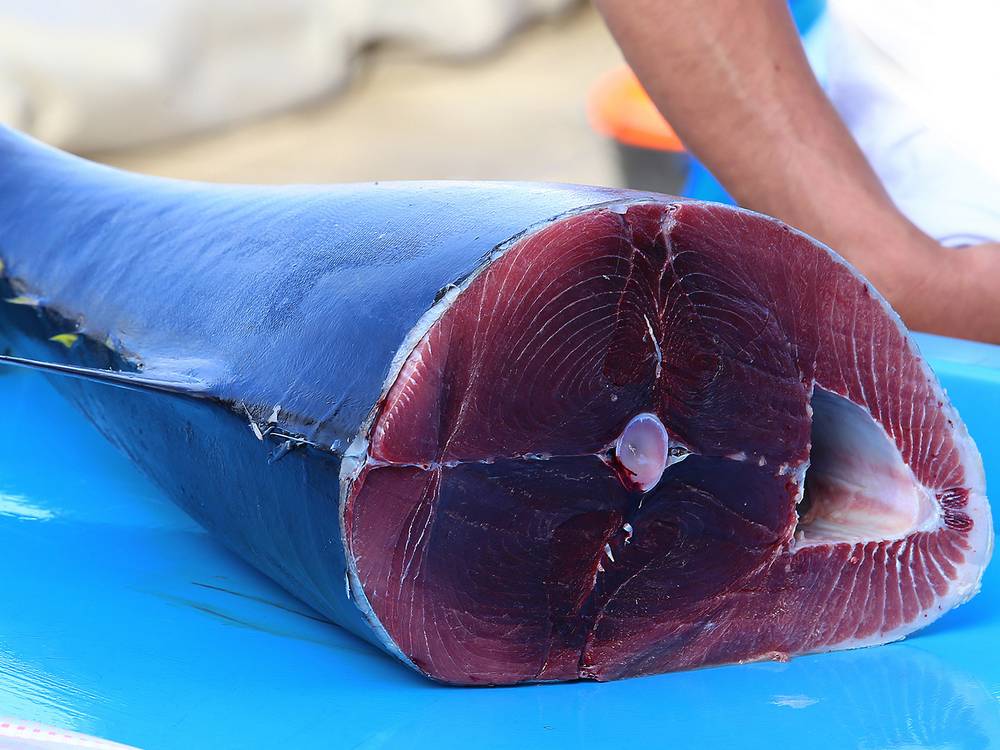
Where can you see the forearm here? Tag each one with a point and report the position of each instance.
(734, 82)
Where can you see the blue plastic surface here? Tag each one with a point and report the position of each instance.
(121, 618)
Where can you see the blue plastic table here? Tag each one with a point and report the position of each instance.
(121, 618)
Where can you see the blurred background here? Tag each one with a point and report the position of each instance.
(307, 91)
(281, 91)
(313, 90)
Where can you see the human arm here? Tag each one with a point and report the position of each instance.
(733, 80)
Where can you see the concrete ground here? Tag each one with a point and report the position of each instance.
(517, 114)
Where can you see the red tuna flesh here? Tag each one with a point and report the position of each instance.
(658, 438)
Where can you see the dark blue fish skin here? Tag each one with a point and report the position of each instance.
(297, 297)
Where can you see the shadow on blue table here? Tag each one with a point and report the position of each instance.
(121, 618)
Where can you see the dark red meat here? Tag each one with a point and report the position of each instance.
(812, 489)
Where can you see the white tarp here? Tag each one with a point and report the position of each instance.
(108, 73)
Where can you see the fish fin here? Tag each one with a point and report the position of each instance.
(131, 380)
(23, 299)
(66, 339)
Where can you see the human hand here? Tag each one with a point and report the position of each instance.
(950, 291)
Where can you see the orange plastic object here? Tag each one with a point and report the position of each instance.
(619, 107)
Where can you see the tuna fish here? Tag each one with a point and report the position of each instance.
(507, 432)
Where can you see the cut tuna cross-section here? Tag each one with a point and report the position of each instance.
(508, 432)
(657, 437)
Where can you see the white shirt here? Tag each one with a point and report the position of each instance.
(918, 84)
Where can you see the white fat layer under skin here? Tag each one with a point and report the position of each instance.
(857, 487)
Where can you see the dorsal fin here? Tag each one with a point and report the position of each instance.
(133, 381)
